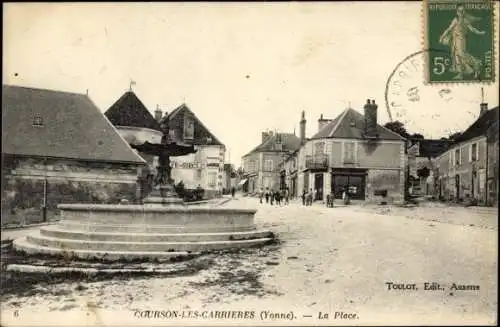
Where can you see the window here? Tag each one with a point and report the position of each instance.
(212, 179)
(319, 148)
(457, 157)
(37, 120)
(473, 152)
(349, 152)
(268, 165)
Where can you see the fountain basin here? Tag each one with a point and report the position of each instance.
(149, 232)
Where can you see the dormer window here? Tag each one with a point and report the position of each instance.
(209, 139)
(38, 120)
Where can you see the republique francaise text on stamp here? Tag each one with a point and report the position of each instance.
(464, 29)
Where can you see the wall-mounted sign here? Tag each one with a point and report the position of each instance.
(187, 165)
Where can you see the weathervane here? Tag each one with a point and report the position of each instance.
(132, 82)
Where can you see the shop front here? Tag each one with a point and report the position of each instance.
(353, 180)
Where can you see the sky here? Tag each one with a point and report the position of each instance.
(242, 68)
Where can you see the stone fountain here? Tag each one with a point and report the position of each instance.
(162, 228)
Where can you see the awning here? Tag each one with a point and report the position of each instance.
(243, 181)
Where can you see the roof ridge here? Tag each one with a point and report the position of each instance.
(116, 130)
(341, 118)
(43, 89)
(186, 107)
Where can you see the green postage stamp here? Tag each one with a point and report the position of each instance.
(459, 37)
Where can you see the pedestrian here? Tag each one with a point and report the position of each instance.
(329, 200)
(261, 194)
(304, 197)
(232, 191)
(271, 195)
(310, 197)
(345, 195)
(287, 196)
(315, 194)
(267, 195)
(277, 197)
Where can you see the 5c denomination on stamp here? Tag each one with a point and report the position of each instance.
(464, 29)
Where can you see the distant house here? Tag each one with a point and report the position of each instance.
(262, 164)
(352, 152)
(289, 172)
(204, 168)
(422, 164)
(469, 169)
(57, 147)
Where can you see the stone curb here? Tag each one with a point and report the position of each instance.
(89, 271)
(13, 227)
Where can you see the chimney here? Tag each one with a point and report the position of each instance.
(371, 119)
(483, 108)
(158, 113)
(322, 122)
(303, 128)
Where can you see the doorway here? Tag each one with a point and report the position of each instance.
(318, 186)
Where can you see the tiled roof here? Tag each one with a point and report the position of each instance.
(290, 142)
(73, 127)
(350, 124)
(128, 110)
(202, 135)
(480, 126)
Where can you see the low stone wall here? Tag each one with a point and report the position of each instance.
(29, 184)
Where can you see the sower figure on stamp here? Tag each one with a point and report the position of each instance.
(455, 36)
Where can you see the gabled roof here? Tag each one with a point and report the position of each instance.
(480, 126)
(290, 142)
(350, 124)
(73, 127)
(202, 135)
(128, 110)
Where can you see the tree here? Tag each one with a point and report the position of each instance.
(397, 127)
(423, 172)
(417, 136)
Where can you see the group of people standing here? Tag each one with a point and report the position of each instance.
(309, 196)
(283, 196)
(277, 197)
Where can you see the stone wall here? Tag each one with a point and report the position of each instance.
(385, 179)
(30, 183)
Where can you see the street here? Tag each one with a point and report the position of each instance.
(333, 266)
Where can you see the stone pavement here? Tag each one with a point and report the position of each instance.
(331, 260)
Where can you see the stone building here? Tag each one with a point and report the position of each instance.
(205, 168)
(422, 165)
(57, 147)
(352, 151)
(469, 169)
(262, 164)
